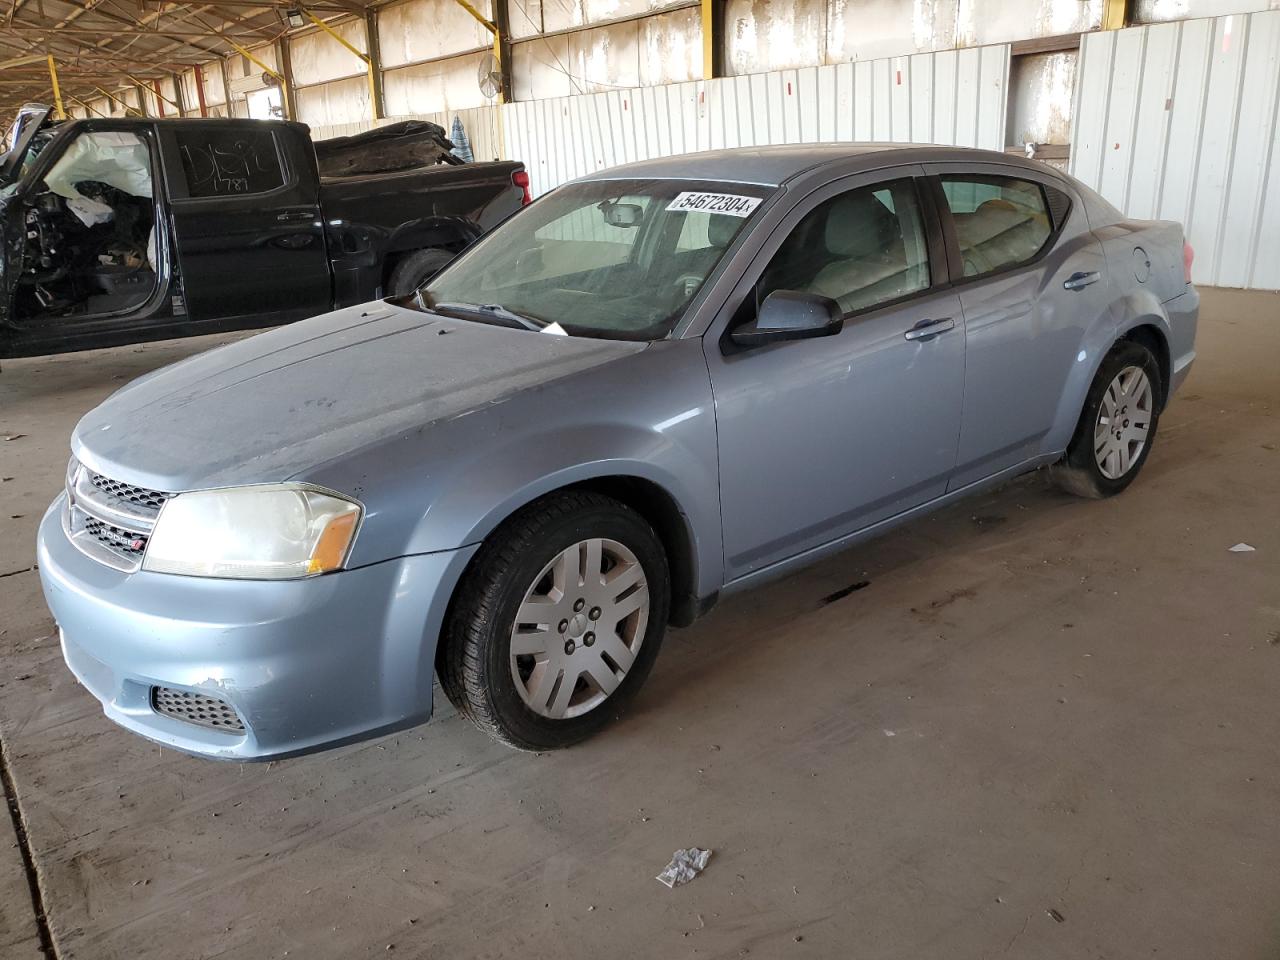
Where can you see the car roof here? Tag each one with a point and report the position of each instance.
(775, 165)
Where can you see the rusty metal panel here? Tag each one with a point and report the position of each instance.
(945, 97)
(1179, 121)
(1041, 93)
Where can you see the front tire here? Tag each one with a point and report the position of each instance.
(557, 622)
(1117, 426)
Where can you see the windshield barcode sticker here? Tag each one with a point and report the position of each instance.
(726, 203)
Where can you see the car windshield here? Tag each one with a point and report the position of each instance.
(618, 259)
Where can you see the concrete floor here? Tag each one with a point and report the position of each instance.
(1048, 728)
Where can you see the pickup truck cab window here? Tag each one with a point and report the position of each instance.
(600, 258)
(223, 161)
(1000, 222)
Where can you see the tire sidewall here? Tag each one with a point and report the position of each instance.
(522, 724)
(1126, 353)
(415, 269)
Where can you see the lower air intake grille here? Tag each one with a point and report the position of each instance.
(196, 708)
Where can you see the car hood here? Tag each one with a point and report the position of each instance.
(278, 404)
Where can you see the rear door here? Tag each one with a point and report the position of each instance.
(246, 221)
(1032, 281)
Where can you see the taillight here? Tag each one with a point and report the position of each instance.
(521, 180)
(1188, 255)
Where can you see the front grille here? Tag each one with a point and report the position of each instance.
(140, 496)
(114, 538)
(109, 520)
(203, 711)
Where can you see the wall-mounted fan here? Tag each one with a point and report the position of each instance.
(489, 76)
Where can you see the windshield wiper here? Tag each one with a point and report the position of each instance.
(494, 311)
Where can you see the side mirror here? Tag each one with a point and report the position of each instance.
(790, 315)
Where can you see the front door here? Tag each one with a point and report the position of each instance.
(820, 438)
(246, 221)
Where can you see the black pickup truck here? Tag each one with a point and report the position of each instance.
(124, 230)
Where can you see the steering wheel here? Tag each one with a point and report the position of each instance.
(687, 283)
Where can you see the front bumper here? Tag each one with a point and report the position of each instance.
(304, 663)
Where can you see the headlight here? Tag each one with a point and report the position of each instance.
(270, 532)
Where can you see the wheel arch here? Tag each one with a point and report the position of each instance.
(647, 496)
(1155, 338)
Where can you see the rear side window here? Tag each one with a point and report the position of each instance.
(229, 161)
(862, 248)
(1000, 222)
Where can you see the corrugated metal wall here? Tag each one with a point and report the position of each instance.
(954, 96)
(1181, 121)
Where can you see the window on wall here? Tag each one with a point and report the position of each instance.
(1000, 221)
(229, 161)
(861, 248)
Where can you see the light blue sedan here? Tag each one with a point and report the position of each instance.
(654, 387)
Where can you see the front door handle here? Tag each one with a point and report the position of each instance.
(1079, 280)
(290, 215)
(926, 330)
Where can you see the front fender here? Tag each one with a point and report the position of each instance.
(451, 483)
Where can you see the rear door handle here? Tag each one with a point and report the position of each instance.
(290, 215)
(1079, 280)
(928, 329)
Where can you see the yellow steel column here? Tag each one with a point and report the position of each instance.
(708, 40)
(368, 61)
(1115, 14)
(57, 91)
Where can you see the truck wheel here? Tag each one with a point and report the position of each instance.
(1117, 426)
(415, 269)
(558, 621)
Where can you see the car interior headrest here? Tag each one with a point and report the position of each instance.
(859, 225)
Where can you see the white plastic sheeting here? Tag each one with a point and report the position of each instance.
(335, 102)
(1181, 121)
(415, 31)
(663, 48)
(316, 57)
(954, 97)
(440, 86)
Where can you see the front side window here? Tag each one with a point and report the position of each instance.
(618, 259)
(220, 161)
(862, 248)
(1000, 221)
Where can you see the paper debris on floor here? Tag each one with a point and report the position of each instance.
(684, 866)
(1241, 548)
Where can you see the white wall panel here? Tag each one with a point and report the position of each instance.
(1178, 121)
(340, 101)
(439, 86)
(947, 97)
(317, 57)
(426, 29)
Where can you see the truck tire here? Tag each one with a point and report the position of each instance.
(557, 622)
(416, 268)
(1117, 426)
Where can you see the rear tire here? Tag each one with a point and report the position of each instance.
(1117, 426)
(557, 622)
(415, 269)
